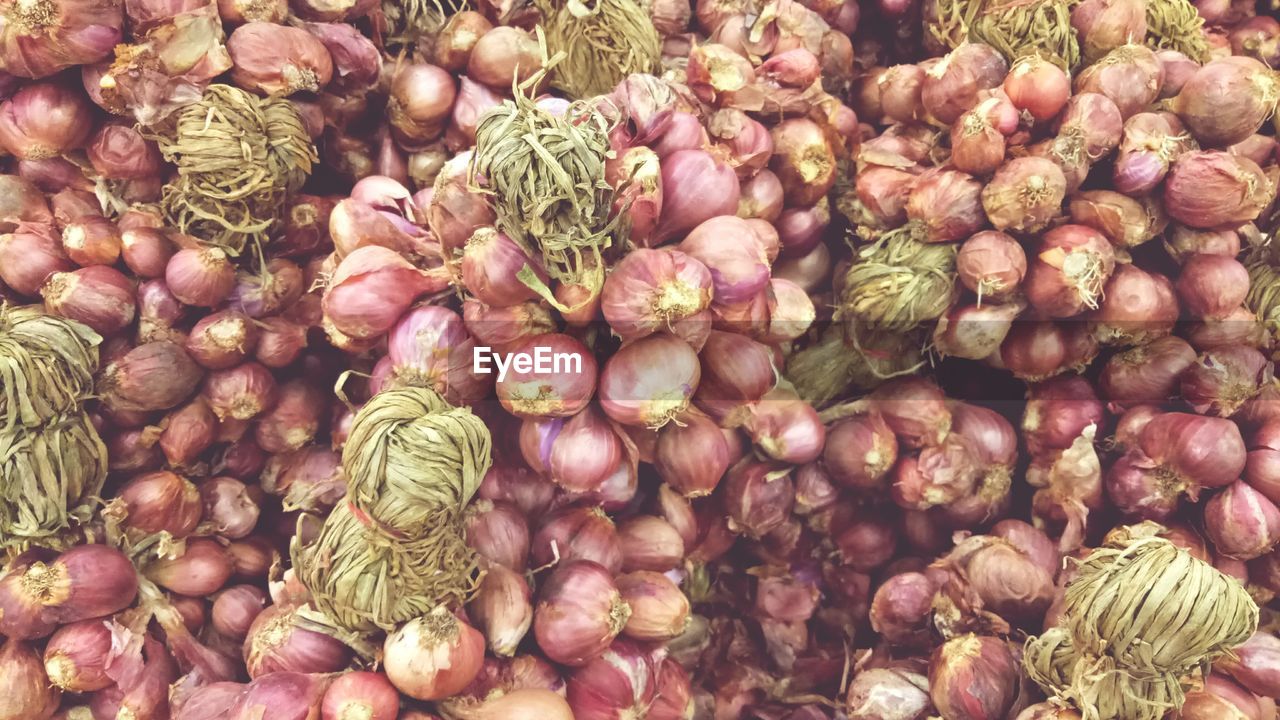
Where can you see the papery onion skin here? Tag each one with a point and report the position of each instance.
(972, 677)
(650, 381)
(652, 290)
(692, 455)
(76, 656)
(579, 612)
(1024, 195)
(860, 451)
(1137, 306)
(1212, 286)
(1227, 100)
(1212, 189)
(1241, 522)
(276, 643)
(274, 59)
(27, 694)
(1145, 374)
(43, 120)
(1204, 451)
(360, 695)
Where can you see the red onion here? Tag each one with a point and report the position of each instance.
(952, 84)
(490, 265)
(242, 392)
(659, 609)
(942, 473)
(371, 288)
(190, 432)
(1225, 378)
(222, 340)
(1151, 142)
(1212, 286)
(146, 251)
(947, 203)
(991, 264)
(1201, 451)
(888, 694)
(1058, 411)
(578, 533)
(579, 613)
(973, 677)
(649, 543)
(502, 609)
(76, 656)
(44, 120)
(229, 507)
(294, 420)
(235, 609)
(280, 342)
(277, 643)
(204, 568)
(1208, 189)
(29, 256)
(692, 455)
(154, 376)
(719, 75)
(161, 502)
(975, 331)
(203, 277)
(1069, 270)
(1136, 306)
(650, 381)
(619, 684)
(360, 694)
(1253, 664)
(1241, 522)
(758, 498)
(1024, 195)
(1227, 100)
(87, 581)
(132, 450)
(91, 240)
(550, 375)
(521, 704)
(429, 346)
(499, 533)
(803, 159)
(1126, 222)
(242, 11)
(27, 694)
(1222, 698)
(1145, 374)
(278, 60)
(457, 39)
(504, 55)
(696, 187)
(282, 695)
(915, 409)
(120, 152)
(653, 290)
(901, 609)
(785, 428)
(900, 87)
(729, 248)
(1128, 75)
(860, 451)
(98, 296)
(864, 543)
(883, 192)
(269, 290)
(1038, 87)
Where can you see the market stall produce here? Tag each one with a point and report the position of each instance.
(639, 360)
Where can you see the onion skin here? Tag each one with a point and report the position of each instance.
(758, 498)
(901, 609)
(915, 409)
(1254, 664)
(1069, 270)
(992, 265)
(1227, 100)
(578, 533)
(1037, 86)
(972, 677)
(659, 609)
(1203, 451)
(86, 581)
(1145, 374)
(561, 394)
(1137, 306)
(651, 290)
(502, 610)
(1241, 522)
(76, 656)
(201, 570)
(434, 656)
(1024, 195)
(692, 455)
(360, 694)
(1212, 287)
(860, 452)
(650, 381)
(1213, 189)
(579, 613)
(25, 692)
(888, 694)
